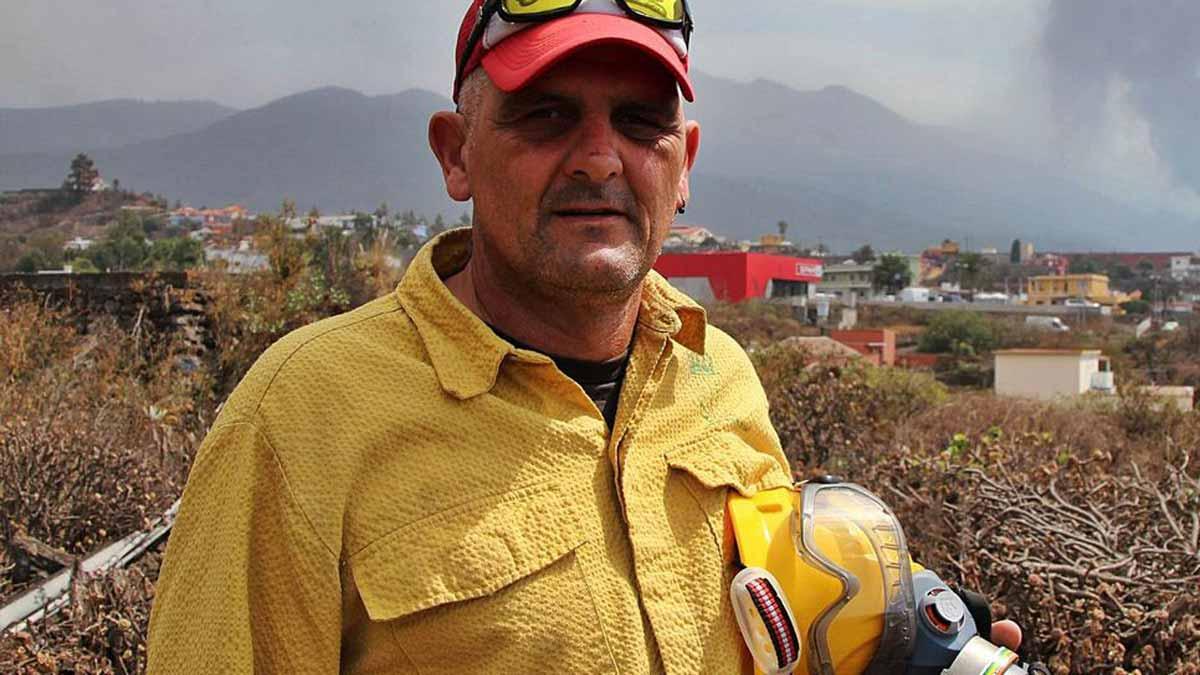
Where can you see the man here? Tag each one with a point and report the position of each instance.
(517, 462)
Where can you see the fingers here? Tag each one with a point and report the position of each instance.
(1007, 634)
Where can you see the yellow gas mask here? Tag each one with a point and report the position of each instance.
(829, 589)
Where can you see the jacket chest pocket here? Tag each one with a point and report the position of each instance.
(492, 586)
(709, 468)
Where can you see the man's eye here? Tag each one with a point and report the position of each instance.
(640, 127)
(547, 114)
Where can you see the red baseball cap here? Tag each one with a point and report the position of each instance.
(534, 48)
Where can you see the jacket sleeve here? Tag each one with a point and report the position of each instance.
(247, 585)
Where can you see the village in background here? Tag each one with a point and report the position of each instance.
(956, 381)
(89, 226)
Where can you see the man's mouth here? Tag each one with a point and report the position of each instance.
(590, 212)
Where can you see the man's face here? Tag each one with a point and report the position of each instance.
(576, 178)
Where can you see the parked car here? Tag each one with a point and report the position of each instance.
(1080, 302)
(914, 294)
(991, 298)
(1050, 323)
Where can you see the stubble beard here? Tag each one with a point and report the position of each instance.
(612, 273)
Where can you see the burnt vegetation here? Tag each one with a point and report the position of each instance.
(1080, 520)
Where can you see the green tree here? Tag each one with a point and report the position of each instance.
(49, 249)
(782, 226)
(82, 176)
(1120, 272)
(363, 221)
(891, 273)
(32, 262)
(124, 246)
(465, 220)
(1084, 266)
(409, 219)
(963, 333)
(83, 266)
(1136, 307)
(864, 254)
(971, 266)
(176, 254)
(365, 227)
(1014, 255)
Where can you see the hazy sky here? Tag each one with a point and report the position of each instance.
(931, 59)
(1083, 82)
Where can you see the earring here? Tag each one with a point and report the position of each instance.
(682, 208)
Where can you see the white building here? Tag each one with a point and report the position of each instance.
(1048, 374)
(848, 280)
(342, 221)
(1185, 267)
(687, 236)
(236, 261)
(78, 244)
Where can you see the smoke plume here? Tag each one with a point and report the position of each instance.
(1146, 52)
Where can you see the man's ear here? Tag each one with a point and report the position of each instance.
(447, 137)
(692, 131)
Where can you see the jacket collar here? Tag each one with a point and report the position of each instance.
(466, 354)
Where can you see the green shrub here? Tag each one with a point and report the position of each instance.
(1139, 307)
(963, 333)
(904, 393)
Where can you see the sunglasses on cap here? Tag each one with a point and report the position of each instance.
(663, 14)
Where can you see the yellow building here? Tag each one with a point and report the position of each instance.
(1054, 290)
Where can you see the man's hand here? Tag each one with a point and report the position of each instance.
(1007, 634)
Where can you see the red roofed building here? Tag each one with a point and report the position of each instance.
(734, 276)
(877, 345)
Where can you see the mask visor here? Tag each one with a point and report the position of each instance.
(850, 534)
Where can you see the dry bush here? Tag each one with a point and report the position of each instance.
(307, 280)
(756, 323)
(1083, 534)
(1079, 520)
(823, 410)
(96, 434)
(98, 428)
(101, 630)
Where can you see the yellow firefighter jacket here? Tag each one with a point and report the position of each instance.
(398, 490)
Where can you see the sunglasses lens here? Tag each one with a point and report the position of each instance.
(658, 10)
(536, 7)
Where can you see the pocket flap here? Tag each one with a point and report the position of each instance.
(465, 552)
(725, 460)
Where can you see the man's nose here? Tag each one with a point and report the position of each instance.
(595, 157)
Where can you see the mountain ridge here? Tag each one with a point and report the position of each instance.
(841, 167)
(97, 125)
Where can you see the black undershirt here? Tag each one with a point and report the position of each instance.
(601, 380)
